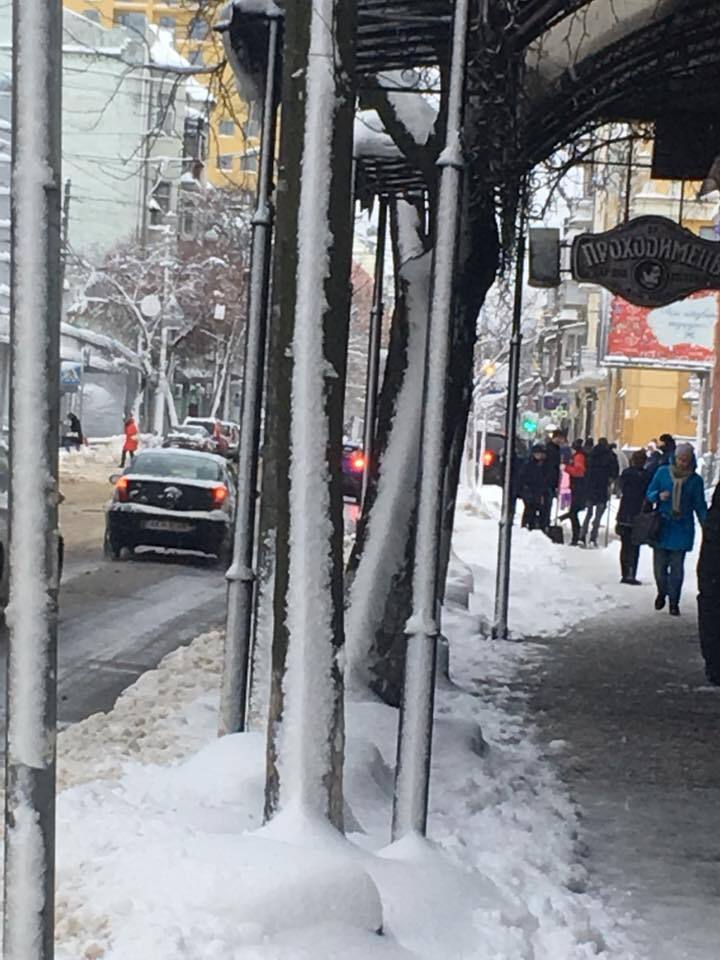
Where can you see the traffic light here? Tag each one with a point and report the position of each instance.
(529, 422)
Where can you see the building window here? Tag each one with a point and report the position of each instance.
(198, 29)
(162, 194)
(249, 163)
(188, 223)
(132, 21)
(227, 128)
(165, 114)
(225, 161)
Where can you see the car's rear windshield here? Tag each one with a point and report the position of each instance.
(189, 430)
(207, 425)
(176, 465)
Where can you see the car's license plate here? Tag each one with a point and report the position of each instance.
(176, 526)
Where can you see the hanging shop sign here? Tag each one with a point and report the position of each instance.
(650, 261)
(676, 336)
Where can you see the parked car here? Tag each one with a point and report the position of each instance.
(494, 456)
(191, 436)
(213, 428)
(353, 465)
(172, 498)
(5, 528)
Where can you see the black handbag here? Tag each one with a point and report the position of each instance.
(646, 528)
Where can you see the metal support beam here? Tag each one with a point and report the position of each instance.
(502, 582)
(29, 878)
(241, 575)
(410, 802)
(375, 338)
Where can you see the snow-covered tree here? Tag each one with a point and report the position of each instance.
(177, 281)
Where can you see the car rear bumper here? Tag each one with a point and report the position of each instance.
(129, 529)
(352, 485)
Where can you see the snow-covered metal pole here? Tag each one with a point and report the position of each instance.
(29, 877)
(241, 575)
(412, 781)
(159, 420)
(502, 581)
(375, 337)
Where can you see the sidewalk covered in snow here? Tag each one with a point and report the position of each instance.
(573, 809)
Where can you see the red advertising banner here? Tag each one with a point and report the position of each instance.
(679, 335)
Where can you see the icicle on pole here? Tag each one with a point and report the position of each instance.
(32, 612)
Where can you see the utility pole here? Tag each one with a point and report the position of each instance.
(162, 385)
(241, 575)
(29, 878)
(502, 582)
(375, 338)
(412, 781)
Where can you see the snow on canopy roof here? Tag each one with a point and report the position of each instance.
(586, 31)
(651, 58)
(265, 8)
(371, 138)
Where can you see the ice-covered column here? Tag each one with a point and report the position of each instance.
(241, 575)
(305, 405)
(32, 612)
(416, 714)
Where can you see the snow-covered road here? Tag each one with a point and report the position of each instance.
(118, 620)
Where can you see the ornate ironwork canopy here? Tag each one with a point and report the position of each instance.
(540, 72)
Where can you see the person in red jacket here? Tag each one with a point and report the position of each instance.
(577, 471)
(131, 441)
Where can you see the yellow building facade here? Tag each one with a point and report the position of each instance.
(637, 404)
(232, 130)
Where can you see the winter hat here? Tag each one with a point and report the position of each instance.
(684, 450)
(538, 448)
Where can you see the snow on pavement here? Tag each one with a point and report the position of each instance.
(162, 853)
(552, 586)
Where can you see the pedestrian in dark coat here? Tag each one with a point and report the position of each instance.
(602, 470)
(708, 571)
(577, 471)
(663, 456)
(533, 488)
(634, 482)
(679, 492)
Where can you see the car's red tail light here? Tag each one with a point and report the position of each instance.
(121, 489)
(219, 495)
(488, 458)
(357, 462)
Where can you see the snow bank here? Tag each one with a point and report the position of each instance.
(552, 587)
(162, 853)
(93, 460)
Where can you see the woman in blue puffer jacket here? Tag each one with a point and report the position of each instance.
(679, 492)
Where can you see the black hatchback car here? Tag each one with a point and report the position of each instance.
(171, 498)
